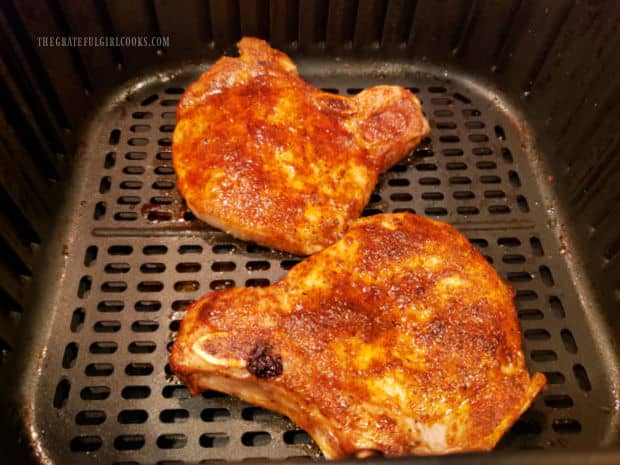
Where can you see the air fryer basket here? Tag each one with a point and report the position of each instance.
(524, 116)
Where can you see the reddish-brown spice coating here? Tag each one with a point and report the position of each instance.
(265, 156)
(399, 338)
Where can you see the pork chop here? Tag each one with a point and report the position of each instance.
(265, 156)
(399, 338)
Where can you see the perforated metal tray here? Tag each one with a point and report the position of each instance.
(134, 258)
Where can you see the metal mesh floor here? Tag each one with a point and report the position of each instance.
(140, 258)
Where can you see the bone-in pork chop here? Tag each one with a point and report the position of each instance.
(267, 157)
(399, 338)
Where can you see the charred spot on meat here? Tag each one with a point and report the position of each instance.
(263, 362)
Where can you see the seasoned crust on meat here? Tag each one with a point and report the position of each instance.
(265, 156)
(399, 338)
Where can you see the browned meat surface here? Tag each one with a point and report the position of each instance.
(267, 157)
(399, 338)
